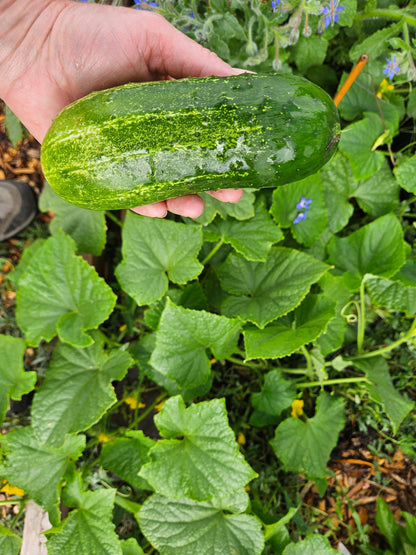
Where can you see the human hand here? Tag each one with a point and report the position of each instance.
(72, 49)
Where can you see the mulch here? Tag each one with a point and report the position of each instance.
(359, 476)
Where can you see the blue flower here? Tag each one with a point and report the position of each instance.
(151, 4)
(303, 204)
(275, 4)
(301, 216)
(331, 12)
(392, 68)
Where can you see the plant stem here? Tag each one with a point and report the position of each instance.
(113, 218)
(410, 332)
(331, 382)
(389, 14)
(361, 319)
(309, 369)
(212, 252)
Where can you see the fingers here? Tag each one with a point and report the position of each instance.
(179, 55)
(227, 195)
(156, 210)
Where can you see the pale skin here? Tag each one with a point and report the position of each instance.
(53, 52)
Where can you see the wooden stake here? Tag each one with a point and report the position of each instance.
(356, 70)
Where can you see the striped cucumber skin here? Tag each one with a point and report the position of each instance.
(145, 142)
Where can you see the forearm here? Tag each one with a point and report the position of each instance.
(23, 27)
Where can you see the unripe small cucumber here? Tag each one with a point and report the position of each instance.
(140, 143)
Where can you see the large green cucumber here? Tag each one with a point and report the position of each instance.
(145, 142)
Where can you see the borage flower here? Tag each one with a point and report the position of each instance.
(392, 68)
(301, 216)
(275, 4)
(303, 205)
(147, 4)
(331, 12)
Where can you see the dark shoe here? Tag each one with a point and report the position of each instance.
(18, 207)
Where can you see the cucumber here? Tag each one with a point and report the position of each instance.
(141, 143)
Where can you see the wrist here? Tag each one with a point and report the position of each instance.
(23, 27)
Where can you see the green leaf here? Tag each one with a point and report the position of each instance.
(14, 381)
(182, 340)
(306, 446)
(377, 248)
(40, 469)
(285, 199)
(29, 252)
(286, 335)
(154, 252)
(59, 293)
(203, 465)
(263, 291)
(337, 180)
(131, 547)
(241, 210)
(311, 545)
(310, 51)
(126, 456)
(391, 294)
(382, 390)
(88, 528)
(376, 43)
(9, 542)
(276, 395)
(252, 238)
(378, 194)
(357, 141)
(77, 389)
(13, 126)
(406, 174)
(143, 351)
(387, 524)
(185, 527)
(333, 338)
(86, 227)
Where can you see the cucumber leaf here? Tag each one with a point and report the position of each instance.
(263, 291)
(40, 469)
(287, 334)
(252, 238)
(296, 444)
(377, 248)
(183, 338)
(9, 543)
(86, 227)
(357, 142)
(199, 457)
(311, 545)
(284, 208)
(14, 381)
(77, 389)
(276, 395)
(88, 528)
(60, 293)
(126, 456)
(392, 294)
(154, 252)
(185, 527)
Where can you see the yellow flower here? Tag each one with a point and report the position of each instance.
(159, 406)
(297, 408)
(384, 87)
(12, 490)
(133, 403)
(241, 438)
(103, 438)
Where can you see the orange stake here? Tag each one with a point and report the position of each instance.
(356, 70)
